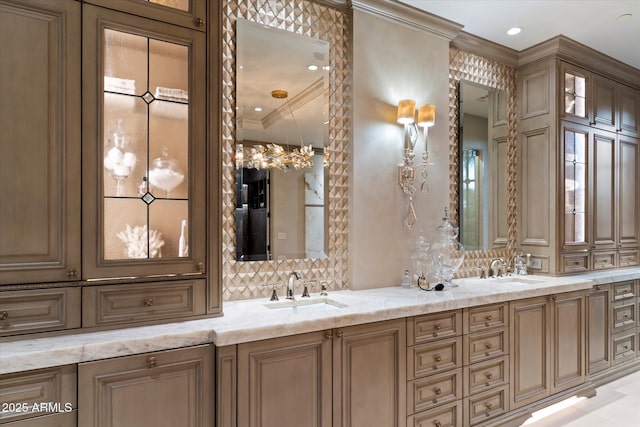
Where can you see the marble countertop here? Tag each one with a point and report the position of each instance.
(251, 320)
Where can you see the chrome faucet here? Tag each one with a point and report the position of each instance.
(492, 267)
(293, 276)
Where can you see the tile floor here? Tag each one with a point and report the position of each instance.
(617, 404)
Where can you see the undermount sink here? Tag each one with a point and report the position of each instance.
(524, 280)
(306, 305)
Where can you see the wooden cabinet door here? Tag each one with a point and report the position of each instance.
(567, 340)
(603, 165)
(598, 351)
(369, 385)
(169, 388)
(576, 94)
(285, 382)
(628, 111)
(605, 105)
(530, 351)
(629, 191)
(40, 150)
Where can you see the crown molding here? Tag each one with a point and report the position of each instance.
(479, 46)
(569, 50)
(409, 16)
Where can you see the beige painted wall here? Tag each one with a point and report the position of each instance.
(392, 62)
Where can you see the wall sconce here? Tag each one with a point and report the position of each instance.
(411, 134)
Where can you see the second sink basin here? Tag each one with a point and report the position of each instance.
(306, 305)
(525, 280)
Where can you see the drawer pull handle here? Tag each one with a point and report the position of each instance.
(148, 302)
(437, 327)
(626, 346)
(626, 315)
(4, 315)
(437, 358)
(437, 390)
(152, 362)
(489, 405)
(489, 317)
(488, 345)
(489, 375)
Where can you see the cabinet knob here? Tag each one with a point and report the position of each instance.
(152, 362)
(72, 273)
(437, 326)
(489, 317)
(488, 405)
(328, 335)
(4, 315)
(199, 267)
(339, 333)
(437, 358)
(148, 302)
(488, 345)
(437, 390)
(437, 423)
(597, 287)
(200, 22)
(489, 375)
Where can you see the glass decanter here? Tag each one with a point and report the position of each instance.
(119, 158)
(422, 261)
(165, 173)
(447, 252)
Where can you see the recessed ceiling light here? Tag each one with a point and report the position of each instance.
(312, 67)
(624, 17)
(514, 30)
(257, 109)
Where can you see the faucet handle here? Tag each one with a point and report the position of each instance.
(323, 289)
(274, 293)
(305, 292)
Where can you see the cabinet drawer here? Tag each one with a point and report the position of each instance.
(483, 376)
(629, 258)
(487, 345)
(574, 263)
(603, 260)
(435, 390)
(135, 303)
(624, 315)
(39, 310)
(624, 347)
(486, 405)
(443, 416)
(434, 326)
(44, 391)
(477, 319)
(623, 290)
(432, 358)
(67, 419)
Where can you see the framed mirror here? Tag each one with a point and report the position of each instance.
(470, 72)
(282, 88)
(483, 160)
(318, 20)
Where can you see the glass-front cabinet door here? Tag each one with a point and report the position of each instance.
(144, 147)
(576, 95)
(574, 167)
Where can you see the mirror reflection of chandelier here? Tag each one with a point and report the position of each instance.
(272, 155)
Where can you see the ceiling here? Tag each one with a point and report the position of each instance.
(591, 22)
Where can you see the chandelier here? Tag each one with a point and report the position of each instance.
(272, 155)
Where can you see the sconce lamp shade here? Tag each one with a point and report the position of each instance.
(427, 115)
(406, 111)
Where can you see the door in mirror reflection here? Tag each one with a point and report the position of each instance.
(281, 133)
(483, 167)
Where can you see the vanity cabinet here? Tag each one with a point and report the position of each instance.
(173, 388)
(350, 376)
(580, 161)
(598, 329)
(548, 337)
(40, 150)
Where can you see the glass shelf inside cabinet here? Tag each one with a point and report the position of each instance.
(145, 148)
